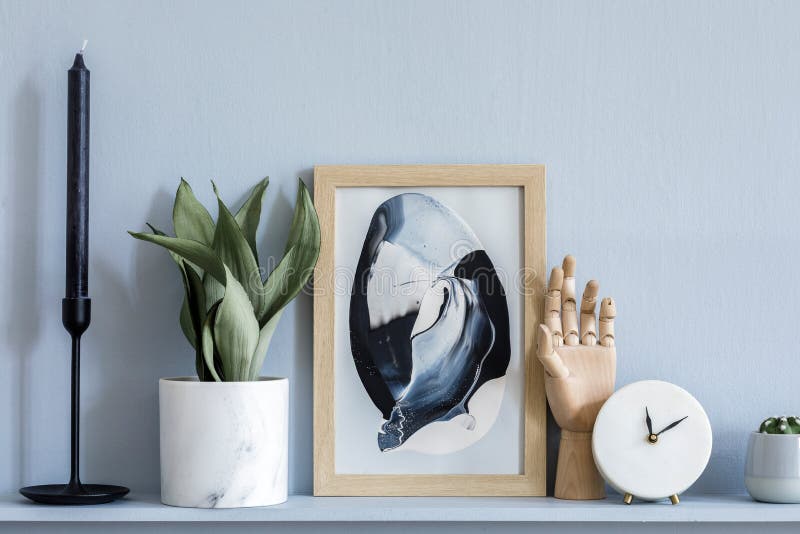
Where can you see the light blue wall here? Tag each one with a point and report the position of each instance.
(671, 132)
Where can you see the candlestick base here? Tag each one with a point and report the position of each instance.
(69, 494)
(76, 316)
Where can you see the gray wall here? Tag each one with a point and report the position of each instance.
(670, 131)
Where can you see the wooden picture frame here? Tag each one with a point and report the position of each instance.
(531, 480)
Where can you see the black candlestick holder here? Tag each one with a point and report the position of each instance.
(75, 315)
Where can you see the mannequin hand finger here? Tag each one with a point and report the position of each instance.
(547, 355)
(552, 305)
(608, 311)
(588, 322)
(569, 313)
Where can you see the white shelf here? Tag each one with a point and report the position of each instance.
(303, 508)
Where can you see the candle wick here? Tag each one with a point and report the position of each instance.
(85, 42)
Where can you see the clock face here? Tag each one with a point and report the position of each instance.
(651, 439)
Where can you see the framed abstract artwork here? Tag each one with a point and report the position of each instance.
(427, 293)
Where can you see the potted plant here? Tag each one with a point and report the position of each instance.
(224, 434)
(772, 467)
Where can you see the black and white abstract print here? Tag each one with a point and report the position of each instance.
(429, 324)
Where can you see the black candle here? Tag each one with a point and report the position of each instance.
(78, 179)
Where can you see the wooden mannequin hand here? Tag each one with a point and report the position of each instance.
(580, 373)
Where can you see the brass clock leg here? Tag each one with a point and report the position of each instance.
(674, 499)
(628, 498)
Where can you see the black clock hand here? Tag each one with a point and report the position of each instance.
(672, 425)
(648, 421)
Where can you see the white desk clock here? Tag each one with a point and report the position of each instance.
(652, 440)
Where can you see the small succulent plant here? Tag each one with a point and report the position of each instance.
(780, 425)
(230, 310)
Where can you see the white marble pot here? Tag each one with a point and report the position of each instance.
(224, 444)
(772, 467)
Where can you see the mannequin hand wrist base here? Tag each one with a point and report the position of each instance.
(577, 477)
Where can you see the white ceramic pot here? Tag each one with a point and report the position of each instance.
(224, 444)
(772, 467)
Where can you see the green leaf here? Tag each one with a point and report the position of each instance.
(193, 310)
(186, 321)
(301, 254)
(214, 291)
(235, 331)
(208, 344)
(190, 218)
(195, 302)
(277, 286)
(177, 259)
(232, 248)
(197, 253)
(154, 229)
(191, 315)
(249, 214)
(264, 338)
(305, 224)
